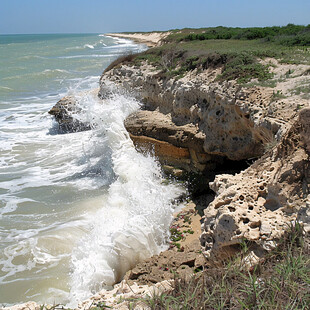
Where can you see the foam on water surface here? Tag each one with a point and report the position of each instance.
(77, 210)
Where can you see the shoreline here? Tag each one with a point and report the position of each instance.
(186, 218)
(182, 218)
(150, 39)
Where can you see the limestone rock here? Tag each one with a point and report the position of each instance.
(259, 203)
(222, 114)
(116, 298)
(162, 267)
(180, 146)
(30, 305)
(64, 111)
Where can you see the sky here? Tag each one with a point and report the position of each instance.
(101, 16)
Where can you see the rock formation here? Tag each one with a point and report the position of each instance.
(219, 112)
(197, 124)
(64, 111)
(258, 205)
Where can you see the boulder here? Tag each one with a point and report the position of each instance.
(64, 111)
(179, 146)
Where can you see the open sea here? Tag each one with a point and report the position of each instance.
(77, 210)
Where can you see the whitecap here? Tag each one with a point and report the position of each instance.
(132, 223)
(89, 46)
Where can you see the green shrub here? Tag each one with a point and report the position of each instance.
(281, 281)
(290, 35)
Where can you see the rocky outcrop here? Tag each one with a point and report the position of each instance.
(180, 146)
(214, 121)
(167, 264)
(258, 205)
(208, 121)
(64, 111)
(199, 125)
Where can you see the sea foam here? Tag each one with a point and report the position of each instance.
(132, 223)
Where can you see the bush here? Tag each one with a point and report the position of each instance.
(120, 60)
(290, 35)
(244, 67)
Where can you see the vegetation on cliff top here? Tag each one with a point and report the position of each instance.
(235, 50)
(290, 35)
(281, 281)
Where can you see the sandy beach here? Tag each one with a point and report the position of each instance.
(150, 39)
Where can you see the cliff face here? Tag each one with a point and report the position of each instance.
(259, 204)
(200, 125)
(201, 122)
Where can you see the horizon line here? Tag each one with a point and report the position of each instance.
(51, 33)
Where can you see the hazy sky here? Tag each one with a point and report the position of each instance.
(97, 16)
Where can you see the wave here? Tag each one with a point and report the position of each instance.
(46, 73)
(89, 46)
(33, 56)
(88, 56)
(133, 222)
(73, 203)
(6, 88)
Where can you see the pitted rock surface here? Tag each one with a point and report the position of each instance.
(221, 112)
(259, 204)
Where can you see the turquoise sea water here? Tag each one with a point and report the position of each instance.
(76, 210)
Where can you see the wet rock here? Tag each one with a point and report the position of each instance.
(64, 111)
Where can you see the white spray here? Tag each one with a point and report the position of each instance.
(133, 222)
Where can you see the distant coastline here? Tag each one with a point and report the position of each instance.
(150, 39)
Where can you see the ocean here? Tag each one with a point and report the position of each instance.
(77, 210)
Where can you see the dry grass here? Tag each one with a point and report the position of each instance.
(282, 281)
(119, 61)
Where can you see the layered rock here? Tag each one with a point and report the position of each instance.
(208, 121)
(181, 146)
(258, 205)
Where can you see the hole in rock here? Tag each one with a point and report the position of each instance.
(245, 221)
(255, 224)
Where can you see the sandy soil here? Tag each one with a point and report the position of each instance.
(150, 39)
